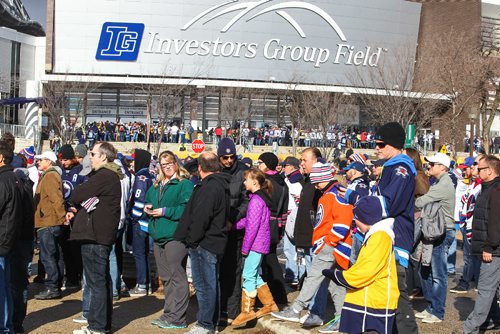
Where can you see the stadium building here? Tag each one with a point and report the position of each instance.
(206, 61)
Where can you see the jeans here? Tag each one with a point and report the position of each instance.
(96, 267)
(486, 302)
(22, 253)
(85, 297)
(5, 296)
(51, 239)
(141, 248)
(471, 264)
(293, 270)
(251, 277)
(451, 254)
(205, 269)
(115, 258)
(435, 277)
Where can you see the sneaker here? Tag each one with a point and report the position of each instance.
(124, 292)
(165, 324)
(48, 294)
(458, 289)
(200, 330)
(80, 320)
(85, 330)
(71, 286)
(288, 314)
(138, 292)
(431, 319)
(422, 315)
(312, 320)
(490, 326)
(331, 326)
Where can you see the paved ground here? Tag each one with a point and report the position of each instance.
(133, 315)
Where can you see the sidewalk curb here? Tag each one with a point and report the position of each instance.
(280, 327)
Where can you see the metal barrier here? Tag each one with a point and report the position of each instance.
(19, 131)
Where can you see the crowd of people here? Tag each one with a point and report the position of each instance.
(214, 224)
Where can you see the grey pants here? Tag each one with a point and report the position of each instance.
(323, 260)
(489, 279)
(171, 262)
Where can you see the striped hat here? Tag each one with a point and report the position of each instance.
(321, 172)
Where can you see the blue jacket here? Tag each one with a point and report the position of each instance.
(395, 198)
(143, 181)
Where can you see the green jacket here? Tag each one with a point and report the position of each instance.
(173, 198)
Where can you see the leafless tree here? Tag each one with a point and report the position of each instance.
(65, 102)
(490, 107)
(386, 90)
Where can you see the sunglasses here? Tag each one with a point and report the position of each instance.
(380, 144)
(228, 157)
(475, 163)
(432, 164)
(479, 169)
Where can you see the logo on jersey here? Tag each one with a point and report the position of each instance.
(402, 171)
(67, 189)
(319, 215)
(119, 41)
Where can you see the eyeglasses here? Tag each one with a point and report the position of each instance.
(432, 164)
(260, 162)
(380, 144)
(93, 153)
(228, 157)
(167, 165)
(479, 169)
(475, 163)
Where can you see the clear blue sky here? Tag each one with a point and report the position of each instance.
(37, 10)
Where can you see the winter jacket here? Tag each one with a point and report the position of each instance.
(204, 221)
(429, 228)
(10, 209)
(485, 226)
(442, 191)
(256, 224)
(294, 183)
(27, 228)
(306, 213)
(279, 206)
(100, 225)
(361, 188)
(143, 181)
(49, 200)
(333, 226)
(395, 198)
(172, 198)
(239, 198)
(372, 284)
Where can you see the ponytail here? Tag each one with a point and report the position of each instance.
(264, 183)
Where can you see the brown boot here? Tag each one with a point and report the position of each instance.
(266, 298)
(247, 313)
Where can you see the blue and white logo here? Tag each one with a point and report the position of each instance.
(120, 41)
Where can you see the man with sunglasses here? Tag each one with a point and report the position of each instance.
(232, 262)
(395, 198)
(486, 245)
(434, 277)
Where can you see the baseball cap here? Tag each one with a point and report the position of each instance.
(49, 155)
(439, 158)
(355, 165)
(468, 162)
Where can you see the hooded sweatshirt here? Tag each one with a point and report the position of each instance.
(256, 224)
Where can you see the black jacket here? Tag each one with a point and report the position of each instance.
(204, 221)
(11, 214)
(279, 207)
(239, 198)
(485, 226)
(27, 228)
(306, 214)
(100, 225)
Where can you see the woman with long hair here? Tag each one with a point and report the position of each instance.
(166, 200)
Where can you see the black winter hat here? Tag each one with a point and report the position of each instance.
(392, 134)
(66, 152)
(270, 159)
(226, 147)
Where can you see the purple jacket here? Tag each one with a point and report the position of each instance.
(256, 224)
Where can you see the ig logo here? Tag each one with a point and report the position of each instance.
(119, 41)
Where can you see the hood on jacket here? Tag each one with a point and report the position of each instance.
(402, 158)
(235, 168)
(386, 225)
(223, 178)
(265, 197)
(6, 168)
(142, 159)
(22, 173)
(114, 168)
(56, 169)
(274, 176)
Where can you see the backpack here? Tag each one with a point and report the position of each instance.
(431, 225)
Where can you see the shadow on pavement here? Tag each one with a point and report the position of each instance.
(65, 309)
(464, 306)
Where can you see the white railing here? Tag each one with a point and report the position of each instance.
(19, 131)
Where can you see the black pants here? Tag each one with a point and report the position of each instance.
(230, 275)
(72, 259)
(272, 274)
(405, 319)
